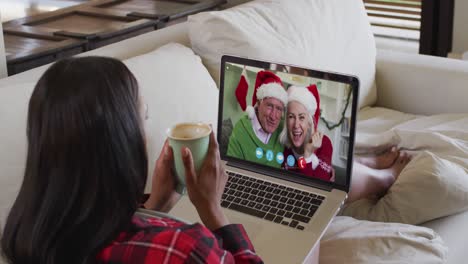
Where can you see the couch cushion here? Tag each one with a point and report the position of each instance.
(348, 240)
(320, 34)
(14, 100)
(177, 88)
(454, 232)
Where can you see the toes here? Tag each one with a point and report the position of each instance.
(405, 158)
(401, 158)
(394, 152)
(408, 158)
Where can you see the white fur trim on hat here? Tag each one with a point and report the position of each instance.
(274, 90)
(303, 96)
(250, 112)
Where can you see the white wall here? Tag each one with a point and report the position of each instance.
(460, 24)
(3, 68)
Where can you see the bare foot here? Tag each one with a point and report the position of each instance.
(392, 173)
(400, 163)
(388, 176)
(381, 161)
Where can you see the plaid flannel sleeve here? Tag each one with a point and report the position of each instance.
(234, 239)
(229, 245)
(169, 241)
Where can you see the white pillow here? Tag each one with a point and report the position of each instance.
(348, 240)
(320, 34)
(429, 187)
(14, 100)
(177, 88)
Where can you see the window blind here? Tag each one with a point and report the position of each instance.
(395, 18)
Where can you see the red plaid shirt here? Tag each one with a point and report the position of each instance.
(164, 240)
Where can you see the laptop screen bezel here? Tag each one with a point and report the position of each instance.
(282, 174)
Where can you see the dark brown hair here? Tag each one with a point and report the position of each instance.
(86, 165)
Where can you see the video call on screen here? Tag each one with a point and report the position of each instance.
(276, 135)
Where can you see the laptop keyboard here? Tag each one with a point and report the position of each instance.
(270, 201)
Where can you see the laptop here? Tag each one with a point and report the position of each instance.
(284, 208)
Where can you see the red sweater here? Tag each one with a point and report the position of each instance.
(321, 169)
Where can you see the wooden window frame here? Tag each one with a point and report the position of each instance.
(436, 27)
(436, 22)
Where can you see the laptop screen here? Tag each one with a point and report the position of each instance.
(294, 122)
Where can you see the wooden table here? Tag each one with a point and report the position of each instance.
(41, 39)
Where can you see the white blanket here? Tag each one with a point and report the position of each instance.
(435, 183)
(353, 241)
(443, 135)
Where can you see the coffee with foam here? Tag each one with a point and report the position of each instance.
(186, 131)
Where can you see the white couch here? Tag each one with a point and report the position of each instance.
(439, 85)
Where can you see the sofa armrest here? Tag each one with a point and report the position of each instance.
(420, 84)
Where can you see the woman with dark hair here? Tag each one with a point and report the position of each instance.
(86, 171)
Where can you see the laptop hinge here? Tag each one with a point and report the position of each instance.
(283, 175)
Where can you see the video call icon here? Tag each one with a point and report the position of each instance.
(269, 155)
(302, 162)
(259, 153)
(291, 161)
(280, 158)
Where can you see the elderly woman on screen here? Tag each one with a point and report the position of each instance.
(307, 150)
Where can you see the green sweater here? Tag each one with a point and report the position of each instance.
(243, 144)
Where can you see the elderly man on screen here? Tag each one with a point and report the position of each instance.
(255, 136)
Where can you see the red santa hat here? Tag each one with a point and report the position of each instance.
(267, 84)
(308, 97)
